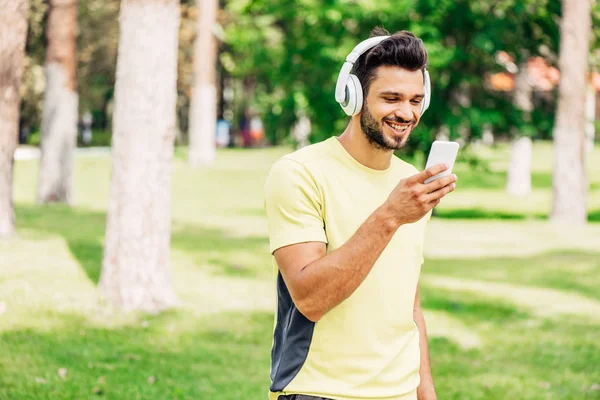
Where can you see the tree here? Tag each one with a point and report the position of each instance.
(519, 170)
(569, 180)
(135, 268)
(13, 33)
(203, 109)
(534, 29)
(97, 37)
(59, 118)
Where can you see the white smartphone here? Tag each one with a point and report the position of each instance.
(442, 152)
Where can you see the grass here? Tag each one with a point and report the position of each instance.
(139, 362)
(569, 271)
(510, 300)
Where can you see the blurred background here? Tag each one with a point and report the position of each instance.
(135, 139)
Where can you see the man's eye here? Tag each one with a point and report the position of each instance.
(416, 102)
(391, 99)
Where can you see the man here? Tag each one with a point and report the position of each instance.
(346, 227)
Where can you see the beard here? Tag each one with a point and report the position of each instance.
(373, 130)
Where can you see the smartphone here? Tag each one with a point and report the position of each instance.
(442, 152)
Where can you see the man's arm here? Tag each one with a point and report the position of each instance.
(317, 281)
(426, 389)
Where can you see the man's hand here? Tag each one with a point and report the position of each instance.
(412, 198)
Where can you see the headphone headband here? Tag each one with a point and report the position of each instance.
(363, 46)
(357, 51)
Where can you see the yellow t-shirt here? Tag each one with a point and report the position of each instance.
(367, 347)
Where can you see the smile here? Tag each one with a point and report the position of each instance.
(399, 129)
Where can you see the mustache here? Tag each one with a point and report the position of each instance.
(399, 120)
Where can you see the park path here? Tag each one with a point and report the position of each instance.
(33, 153)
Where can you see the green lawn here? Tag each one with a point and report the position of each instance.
(513, 305)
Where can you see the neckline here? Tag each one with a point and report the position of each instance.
(354, 161)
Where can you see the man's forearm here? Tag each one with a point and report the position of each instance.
(426, 389)
(331, 279)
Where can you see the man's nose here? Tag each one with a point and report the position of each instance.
(403, 111)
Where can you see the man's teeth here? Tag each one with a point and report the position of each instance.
(398, 128)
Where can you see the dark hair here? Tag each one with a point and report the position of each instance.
(402, 49)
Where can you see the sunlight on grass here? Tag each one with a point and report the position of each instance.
(465, 239)
(443, 324)
(203, 293)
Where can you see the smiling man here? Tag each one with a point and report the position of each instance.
(346, 228)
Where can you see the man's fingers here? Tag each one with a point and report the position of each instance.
(434, 203)
(440, 183)
(428, 173)
(438, 194)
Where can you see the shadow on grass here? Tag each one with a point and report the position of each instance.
(238, 256)
(83, 230)
(478, 213)
(481, 179)
(168, 357)
(468, 308)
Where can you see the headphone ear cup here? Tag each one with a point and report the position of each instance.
(354, 96)
(426, 92)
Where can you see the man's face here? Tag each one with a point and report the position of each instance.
(392, 108)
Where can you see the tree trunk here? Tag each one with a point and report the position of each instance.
(59, 118)
(487, 138)
(569, 180)
(13, 33)
(590, 116)
(519, 171)
(203, 107)
(136, 267)
(301, 131)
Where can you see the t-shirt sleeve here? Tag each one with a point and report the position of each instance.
(293, 206)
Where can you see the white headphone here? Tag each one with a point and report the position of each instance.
(348, 90)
